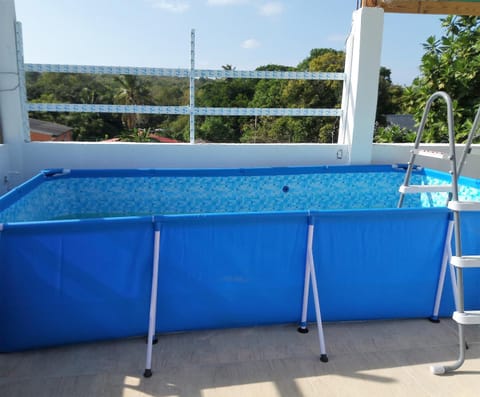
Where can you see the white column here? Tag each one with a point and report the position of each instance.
(11, 116)
(360, 91)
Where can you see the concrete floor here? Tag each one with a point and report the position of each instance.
(381, 358)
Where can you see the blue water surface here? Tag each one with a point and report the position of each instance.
(115, 196)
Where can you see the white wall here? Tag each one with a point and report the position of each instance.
(389, 153)
(43, 155)
(11, 121)
(360, 91)
(4, 177)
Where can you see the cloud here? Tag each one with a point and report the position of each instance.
(250, 44)
(268, 8)
(171, 5)
(271, 8)
(226, 2)
(337, 37)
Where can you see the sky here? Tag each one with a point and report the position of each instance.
(242, 33)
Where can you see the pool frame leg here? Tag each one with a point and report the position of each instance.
(306, 289)
(153, 306)
(447, 255)
(310, 276)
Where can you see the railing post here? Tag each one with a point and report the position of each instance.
(22, 82)
(192, 87)
(360, 89)
(13, 119)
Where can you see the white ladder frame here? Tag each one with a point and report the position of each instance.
(460, 316)
(446, 261)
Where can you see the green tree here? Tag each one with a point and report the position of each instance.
(451, 64)
(223, 93)
(299, 94)
(227, 92)
(75, 89)
(394, 134)
(389, 97)
(132, 90)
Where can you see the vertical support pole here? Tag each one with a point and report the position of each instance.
(310, 275)
(153, 303)
(316, 300)
(360, 90)
(21, 81)
(306, 287)
(453, 278)
(447, 254)
(192, 87)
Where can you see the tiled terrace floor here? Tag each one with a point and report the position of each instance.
(381, 358)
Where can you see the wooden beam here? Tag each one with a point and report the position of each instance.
(369, 3)
(446, 7)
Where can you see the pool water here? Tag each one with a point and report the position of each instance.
(74, 196)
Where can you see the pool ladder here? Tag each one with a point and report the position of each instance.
(458, 261)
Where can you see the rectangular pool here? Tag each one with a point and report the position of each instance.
(76, 249)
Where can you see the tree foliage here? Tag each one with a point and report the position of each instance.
(393, 134)
(132, 91)
(451, 64)
(389, 97)
(225, 92)
(236, 93)
(300, 94)
(74, 88)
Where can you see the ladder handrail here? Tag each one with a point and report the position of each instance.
(468, 145)
(428, 105)
(418, 140)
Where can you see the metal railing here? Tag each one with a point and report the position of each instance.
(191, 73)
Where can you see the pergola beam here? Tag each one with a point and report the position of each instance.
(469, 7)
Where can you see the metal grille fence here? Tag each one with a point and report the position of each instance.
(191, 73)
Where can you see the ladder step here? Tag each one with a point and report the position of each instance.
(470, 317)
(431, 153)
(464, 205)
(424, 188)
(466, 261)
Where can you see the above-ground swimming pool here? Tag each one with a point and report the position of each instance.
(76, 249)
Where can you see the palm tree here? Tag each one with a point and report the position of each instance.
(132, 91)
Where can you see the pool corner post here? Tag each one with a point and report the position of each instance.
(310, 276)
(302, 328)
(153, 301)
(360, 88)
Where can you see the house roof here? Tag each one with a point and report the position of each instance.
(153, 137)
(402, 120)
(162, 139)
(47, 127)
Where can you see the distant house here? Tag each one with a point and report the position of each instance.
(162, 139)
(47, 131)
(152, 137)
(402, 120)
